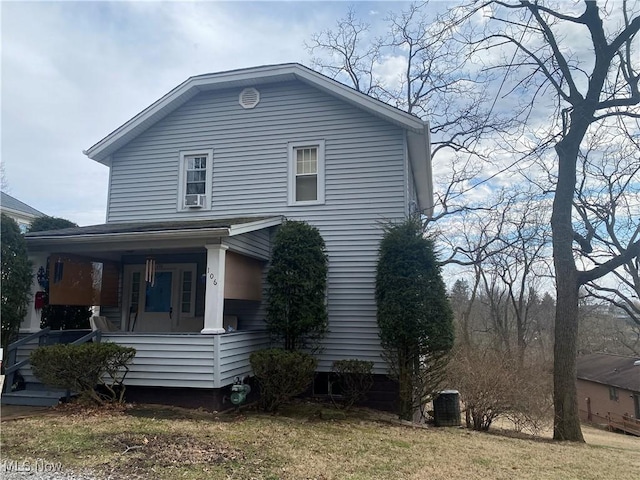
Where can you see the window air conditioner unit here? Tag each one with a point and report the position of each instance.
(194, 200)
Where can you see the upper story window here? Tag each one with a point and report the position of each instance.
(306, 173)
(196, 174)
(194, 190)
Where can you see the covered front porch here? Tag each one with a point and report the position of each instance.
(186, 295)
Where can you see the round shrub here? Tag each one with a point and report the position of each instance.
(95, 371)
(281, 375)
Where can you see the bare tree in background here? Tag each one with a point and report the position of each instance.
(521, 265)
(432, 79)
(608, 201)
(4, 184)
(591, 79)
(573, 69)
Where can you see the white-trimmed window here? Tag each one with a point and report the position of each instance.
(194, 190)
(306, 173)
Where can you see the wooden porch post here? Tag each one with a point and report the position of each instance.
(31, 322)
(214, 290)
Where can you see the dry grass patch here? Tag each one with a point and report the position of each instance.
(157, 442)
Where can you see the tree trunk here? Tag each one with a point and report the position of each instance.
(405, 383)
(566, 424)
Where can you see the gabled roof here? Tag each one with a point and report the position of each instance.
(13, 204)
(607, 369)
(417, 130)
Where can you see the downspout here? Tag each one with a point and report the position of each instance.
(407, 178)
(427, 138)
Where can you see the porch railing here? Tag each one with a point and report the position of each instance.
(12, 365)
(614, 421)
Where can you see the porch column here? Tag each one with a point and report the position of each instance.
(214, 289)
(31, 321)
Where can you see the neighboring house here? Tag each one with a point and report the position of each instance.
(608, 385)
(22, 213)
(198, 183)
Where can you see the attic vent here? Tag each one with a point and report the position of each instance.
(249, 97)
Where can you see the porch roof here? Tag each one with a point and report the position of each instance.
(147, 231)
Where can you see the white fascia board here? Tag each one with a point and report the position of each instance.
(172, 100)
(102, 150)
(19, 214)
(193, 85)
(253, 226)
(125, 237)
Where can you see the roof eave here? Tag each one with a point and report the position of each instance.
(125, 237)
(102, 150)
(253, 226)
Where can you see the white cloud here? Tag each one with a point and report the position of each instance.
(73, 72)
(390, 70)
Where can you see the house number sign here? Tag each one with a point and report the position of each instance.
(212, 277)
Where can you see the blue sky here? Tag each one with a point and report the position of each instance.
(74, 71)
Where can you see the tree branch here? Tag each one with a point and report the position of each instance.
(601, 270)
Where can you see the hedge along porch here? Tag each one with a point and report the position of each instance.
(186, 295)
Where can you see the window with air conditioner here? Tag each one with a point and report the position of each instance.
(306, 173)
(194, 192)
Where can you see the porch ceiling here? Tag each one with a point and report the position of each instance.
(144, 235)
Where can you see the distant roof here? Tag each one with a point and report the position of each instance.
(418, 136)
(11, 203)
(616, 370)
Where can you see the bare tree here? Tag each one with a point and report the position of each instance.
(607, 201)
(573, 69)
(591, 79)
(4, 183)
(521, 265)
(431, 79)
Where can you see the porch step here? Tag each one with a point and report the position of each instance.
(34, 398)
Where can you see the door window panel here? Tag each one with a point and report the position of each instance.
(158, 296)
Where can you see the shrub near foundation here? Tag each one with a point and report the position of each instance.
(95, 371)
(281, 375)
(355, 379)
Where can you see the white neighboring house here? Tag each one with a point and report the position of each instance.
(19, 211)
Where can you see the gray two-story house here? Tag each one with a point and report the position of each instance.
(198, 183)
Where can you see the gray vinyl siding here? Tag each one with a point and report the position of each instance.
(189, 360)
(365, 184)
(254, 244)
(234, 351)
(168, 360)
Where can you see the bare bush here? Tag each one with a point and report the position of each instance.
(492, 385)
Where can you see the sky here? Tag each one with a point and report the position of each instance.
(72, 72)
